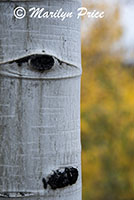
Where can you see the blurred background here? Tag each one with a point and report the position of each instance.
(107, 101)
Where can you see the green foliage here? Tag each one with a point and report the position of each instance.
(107, 112)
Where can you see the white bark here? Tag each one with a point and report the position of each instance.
(39, 112)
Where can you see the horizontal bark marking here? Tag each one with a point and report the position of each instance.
(39, 67)
(37, 62)
(16, 194)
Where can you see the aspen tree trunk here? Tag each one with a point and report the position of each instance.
(40, 68)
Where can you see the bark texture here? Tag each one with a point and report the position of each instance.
(39, 110)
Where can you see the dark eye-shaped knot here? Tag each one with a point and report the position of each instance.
(41, 62)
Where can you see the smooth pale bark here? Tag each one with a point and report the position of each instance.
(39, 112)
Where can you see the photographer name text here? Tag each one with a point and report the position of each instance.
(34, 12)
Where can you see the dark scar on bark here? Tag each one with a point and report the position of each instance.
(44, 183)
(37, 62)
(21, 60)
(61, 178)
(60, 62)
(42, 62)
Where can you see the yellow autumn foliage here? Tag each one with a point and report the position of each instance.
(107, 113)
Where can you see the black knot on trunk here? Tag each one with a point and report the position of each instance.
(41, 62)
(61, 178)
